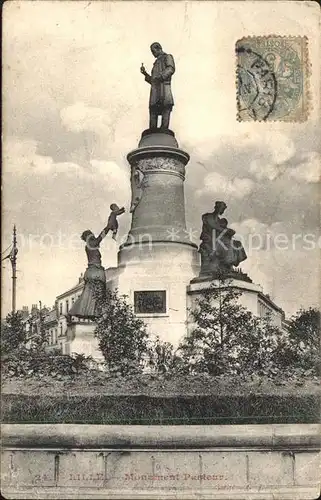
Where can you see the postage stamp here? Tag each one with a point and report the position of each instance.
(272, 78)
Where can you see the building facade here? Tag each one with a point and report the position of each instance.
(64, 301)
(51, 322)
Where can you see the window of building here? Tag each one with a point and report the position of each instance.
(67, 306)
(60, 307)
(55, 335)
(150, 302)
(60, 330)
(72, 300)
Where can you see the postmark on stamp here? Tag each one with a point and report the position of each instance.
(272, 78)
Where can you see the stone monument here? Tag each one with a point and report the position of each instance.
(158, 259)
(158, 265)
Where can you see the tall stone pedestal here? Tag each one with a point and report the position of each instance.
(81, 340)
(158, 260)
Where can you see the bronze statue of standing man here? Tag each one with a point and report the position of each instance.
(161, 99)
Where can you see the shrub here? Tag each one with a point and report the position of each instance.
(122, 337)
(163, 359)
(13, 333)
(24, 362)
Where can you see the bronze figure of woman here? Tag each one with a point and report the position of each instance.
(219, 251)
(94, 277)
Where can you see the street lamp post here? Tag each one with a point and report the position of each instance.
(13, 260)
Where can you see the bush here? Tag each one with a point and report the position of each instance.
(228, 339)
(13, 333)
(24, 362)
(163, 359)
(122, 336)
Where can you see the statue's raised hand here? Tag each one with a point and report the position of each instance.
(143, 70)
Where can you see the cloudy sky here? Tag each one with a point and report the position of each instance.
(75, 103)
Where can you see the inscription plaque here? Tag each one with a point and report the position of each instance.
(150, 302)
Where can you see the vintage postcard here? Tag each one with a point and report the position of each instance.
(160, 327)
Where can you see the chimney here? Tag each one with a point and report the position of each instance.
(81, 278)
(25, 312)
(34, 309)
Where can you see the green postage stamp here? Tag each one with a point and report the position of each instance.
(272, 78)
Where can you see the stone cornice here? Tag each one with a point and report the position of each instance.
(152, 151)
(264, 436)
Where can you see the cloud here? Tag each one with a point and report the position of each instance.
(281, 147)
(42, 195)
(301, 167)
(309, 169)
(251, 226)
(274, 269)
(273, 251)
(262, 170)
(79, 117)
(51, 204)
(257, 235)
(115, 178)
(274, 152)
(283, 192)
(278, 146)
(218, 184)
(21, 157)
